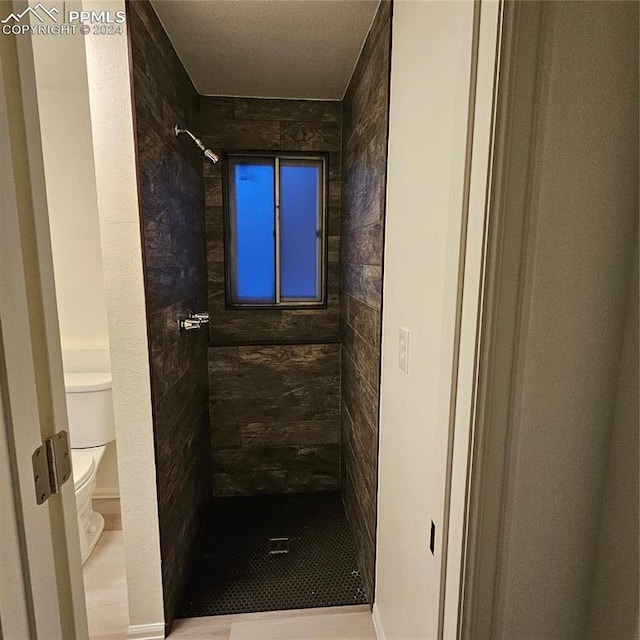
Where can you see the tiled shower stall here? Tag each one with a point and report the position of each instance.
(271, 401)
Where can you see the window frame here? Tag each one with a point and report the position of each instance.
(323, 256)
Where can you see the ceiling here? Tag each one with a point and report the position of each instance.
(268, 48)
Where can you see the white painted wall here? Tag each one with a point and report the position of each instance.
(73, 212)
(115, 167)
(430, 78)
(615, 596)
(582, 236)
(63, 104)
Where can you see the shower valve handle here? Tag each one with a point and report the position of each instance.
(193, 321)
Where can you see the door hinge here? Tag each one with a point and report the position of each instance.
(51, 466)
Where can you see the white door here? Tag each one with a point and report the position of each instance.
(41, 587)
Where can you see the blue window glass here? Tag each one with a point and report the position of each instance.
(275, 242)
(252, 210)
(300, 227)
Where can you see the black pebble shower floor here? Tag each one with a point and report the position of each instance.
(234, 572)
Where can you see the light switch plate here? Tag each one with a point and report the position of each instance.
(403, 350)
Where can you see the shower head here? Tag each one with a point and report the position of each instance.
(211, 156)
(207, 152)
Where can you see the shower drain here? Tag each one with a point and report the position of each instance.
(278, 545)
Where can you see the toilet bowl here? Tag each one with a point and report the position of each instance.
(90, 523)
(91, 427)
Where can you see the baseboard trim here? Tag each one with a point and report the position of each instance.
(154, 631)
(377, 623)
(106, 493)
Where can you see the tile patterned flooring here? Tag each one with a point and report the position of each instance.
(106, 592)
(234, 570)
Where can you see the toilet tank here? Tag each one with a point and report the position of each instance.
(90, 409)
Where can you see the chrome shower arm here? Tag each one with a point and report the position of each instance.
(207, 152)
(177, 130)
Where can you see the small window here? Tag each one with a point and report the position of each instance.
(275, 230)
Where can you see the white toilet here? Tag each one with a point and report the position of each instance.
(91, 427)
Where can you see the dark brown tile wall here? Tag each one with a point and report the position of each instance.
(275, 418)
(174, 253)
(364, 167)
(274, 375)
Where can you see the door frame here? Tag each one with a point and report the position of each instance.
(500, 316)
(487, 55)
(41, 555)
